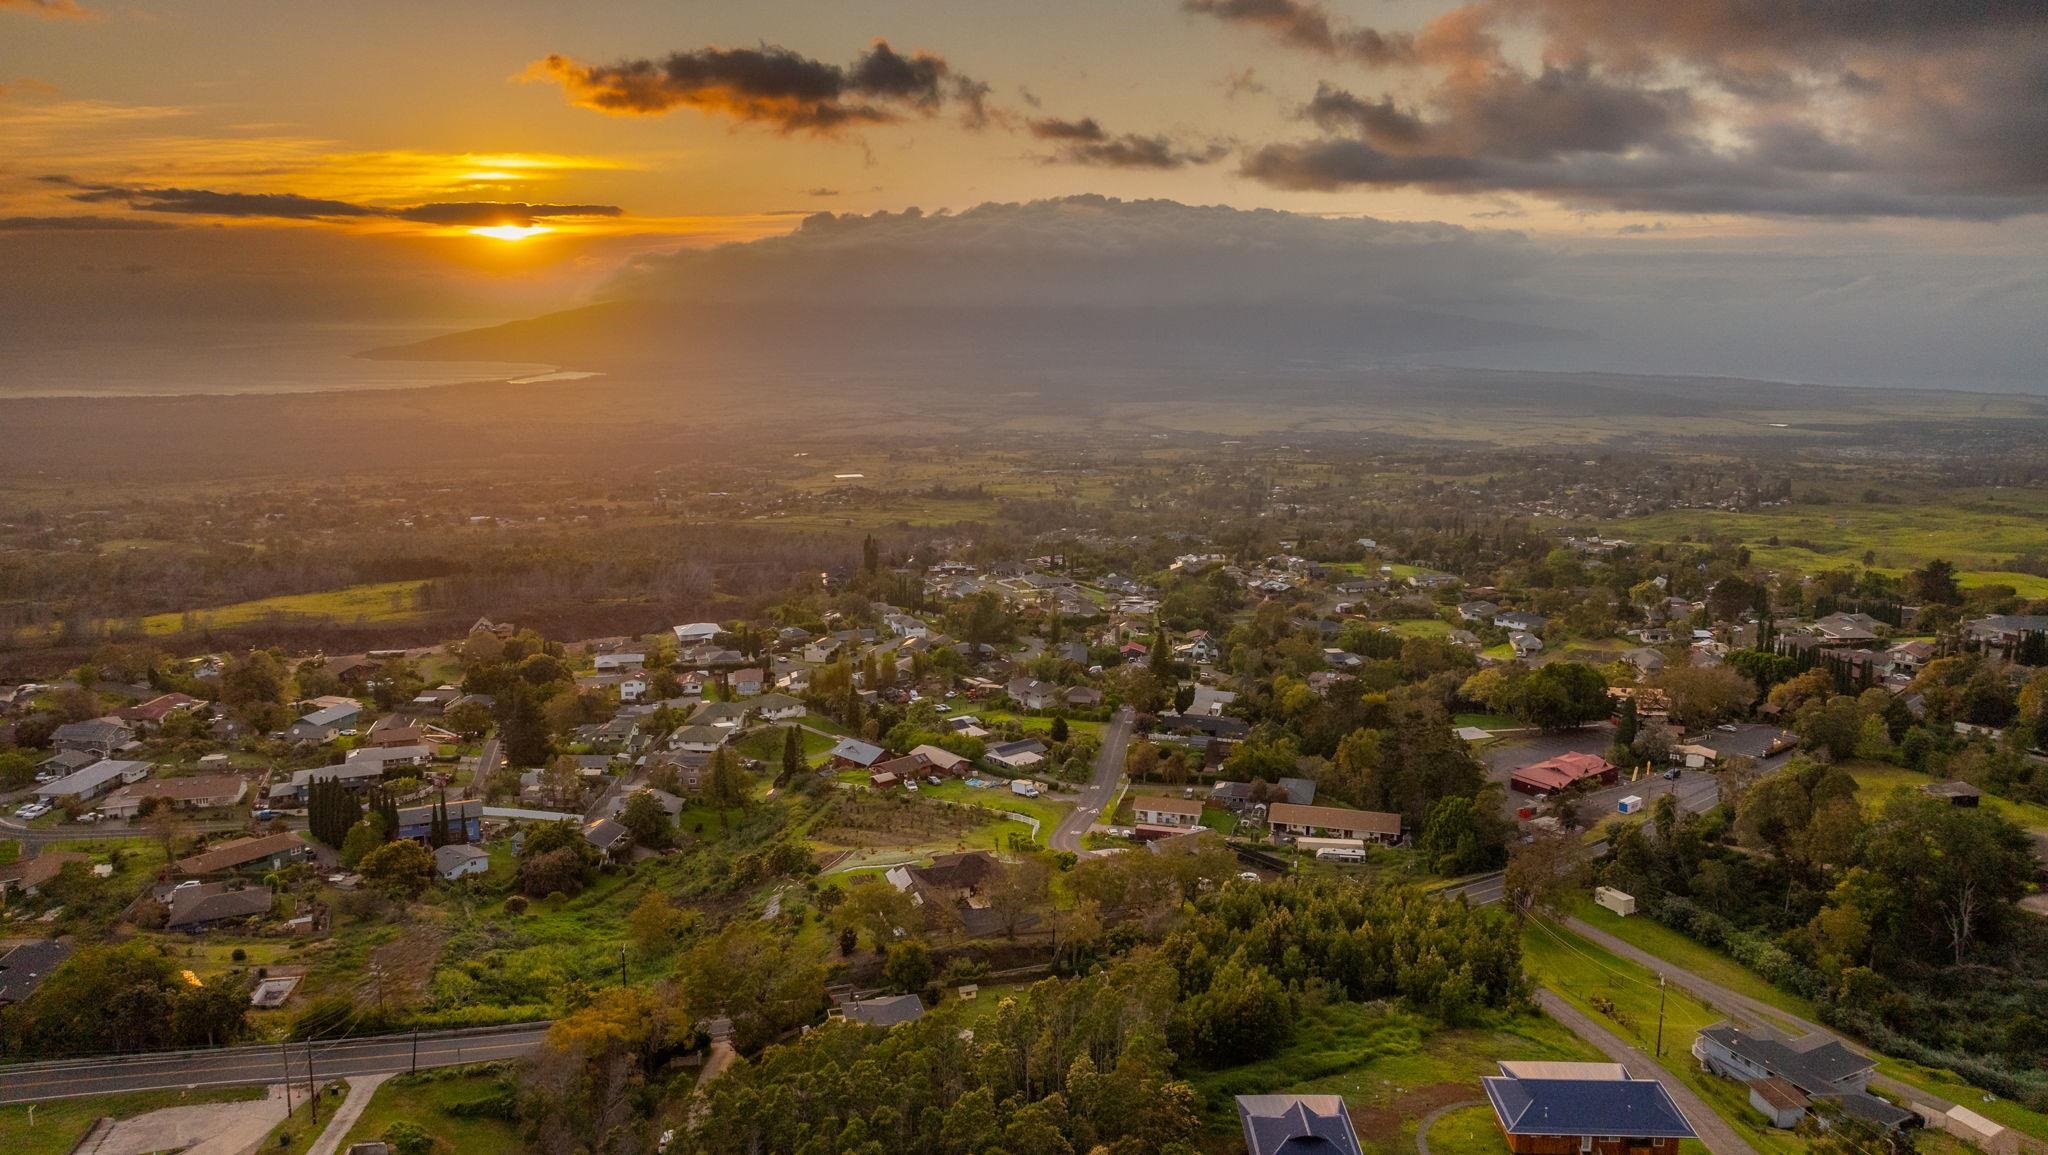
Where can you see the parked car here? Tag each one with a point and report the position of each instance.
(1672, 774)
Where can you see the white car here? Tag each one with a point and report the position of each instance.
(1247, 876)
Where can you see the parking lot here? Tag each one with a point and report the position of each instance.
(1697, 790)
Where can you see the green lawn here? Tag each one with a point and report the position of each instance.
(1392, 1066)
(60, 1124)
(1581, 972)
(424, 1100)
(1660, 940)
(1420, 628)
(374, 602)
(1048, 812)
(1466, 1131)
(1487, 721)
(1875, 780)
(1978, 530)
(1032, 723)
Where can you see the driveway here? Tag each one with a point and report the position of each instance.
(1714, 1131)
(201, 1129)
(1109, 770)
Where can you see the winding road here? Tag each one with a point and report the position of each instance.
(1109, 770)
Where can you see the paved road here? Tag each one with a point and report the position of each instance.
(1713, 1130)
(241, 1066)
(1109, 769)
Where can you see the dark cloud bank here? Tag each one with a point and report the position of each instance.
(1864, 108)
(1093, 288)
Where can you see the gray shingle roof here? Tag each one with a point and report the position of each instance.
(1631, 1108)
(1296, 1125)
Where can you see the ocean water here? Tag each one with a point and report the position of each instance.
(198, 360)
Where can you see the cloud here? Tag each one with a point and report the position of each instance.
(79, 224)
(1771, 107)
(294, 207)
(50, 9)
(1091, 250)
(1086, 142)
(1303, 24)
(1243, 82)
(822, 191)
(774, 86)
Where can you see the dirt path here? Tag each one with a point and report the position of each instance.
(1714, 1131)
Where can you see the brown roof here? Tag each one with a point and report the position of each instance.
(34, 872)
(229, 855)
(1334, 818)
(1778, 1093)
(1164, 805)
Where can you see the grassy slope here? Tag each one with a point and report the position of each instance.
(378, 602)
(1666, 943)
(59, 1125)
(423, 1100)
(1874, 780)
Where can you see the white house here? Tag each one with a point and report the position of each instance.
(457, 861)
(1162, 811)
(622, 660)
(778, 707)
(696, 633)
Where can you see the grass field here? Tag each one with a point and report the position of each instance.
(1466, 1131)
(378, 602)
(1979, 530)
(424, 1101)
(1047, 811)
(1875, 780)
(60, 1124)
(1392, 1066)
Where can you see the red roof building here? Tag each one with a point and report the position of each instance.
(1564, 771)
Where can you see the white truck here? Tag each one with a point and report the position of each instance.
(1023, 788)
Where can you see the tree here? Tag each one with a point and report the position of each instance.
(792, 755)
(402, 869)
(1560, 695)
(644, 816)
(1059, 728)
(1465, 834)
(877, 909)
(656, 923)
(581, 1090)
(1704, 695)
(908, 966)
(469, 719)
(725, 785)
(365, 836)
(1544, 872)
(1935, 584)
(522, 728)
(1017, 889)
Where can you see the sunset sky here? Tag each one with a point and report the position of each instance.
(454, 161)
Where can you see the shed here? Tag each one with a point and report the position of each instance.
(1618, 901)
(1780, 1101)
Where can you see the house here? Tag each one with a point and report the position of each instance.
(1022, 754)
(1158, 810)
(1596, 1108)
(724, 715)
(821, 650)
(1779, 1101)
(611, 839)
(1954, 793)
(436, 700)
(905, 626)
(1075, 652)
(620, 660)
(2003, 634)
(458, 860)
(696, 633)
(1200, 649)
(24, 968)
(101, 736)
(885, 1011)
(323, 724)
(465, 821)
(1083, 697)
(1562, 772)
(1645, 659)
(65, 762)
(1847, 629)
(30, 875)
(355, 776)
(256, 854)
(942, 760)
(151, 714)
(197, 792)
(1520, 621)
(748, 682)
(1477, 611)
(778, 708)
(1525, 645)
(99, 778)
(1032, 694)
(1745, 740)
(389, 758)
(1907, 658)
(1296, 1125)
(1819, 1067)
(856, 753)
(199, 908)
(1286, 818)
(691, 769)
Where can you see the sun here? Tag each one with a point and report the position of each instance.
(509, 232)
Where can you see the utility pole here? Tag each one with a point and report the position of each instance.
(312, 1088)
(284, 1052)
(1660, 1016)
(415, 1049)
